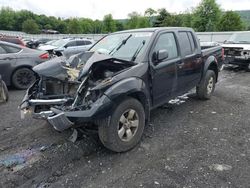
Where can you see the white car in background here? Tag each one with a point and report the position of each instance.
(68, 46)
(237, 49)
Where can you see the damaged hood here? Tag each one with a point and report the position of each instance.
(244, 46)
(58, 67)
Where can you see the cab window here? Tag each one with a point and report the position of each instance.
(166, 41)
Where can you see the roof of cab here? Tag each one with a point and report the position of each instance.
(154, 29)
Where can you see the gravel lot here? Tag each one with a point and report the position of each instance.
(194, 144)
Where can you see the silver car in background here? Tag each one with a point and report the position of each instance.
(68, 46)
(16, 64)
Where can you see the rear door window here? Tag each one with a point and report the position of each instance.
(80, 43)
(88, 42)
(71, 44)
(185, 44)
(11, 49)
(2, 50)
(191, 39)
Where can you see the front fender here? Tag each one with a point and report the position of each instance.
(126, 87)
(130, 87)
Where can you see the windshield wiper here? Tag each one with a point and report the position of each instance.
(138, 50)
(115, 49)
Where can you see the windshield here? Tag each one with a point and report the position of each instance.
(123, 45)
(59, 43)
(243, 38)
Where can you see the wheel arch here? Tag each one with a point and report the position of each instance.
(131, 87)
(211, 64)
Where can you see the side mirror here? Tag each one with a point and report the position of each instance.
(159, 56)
(65, 46)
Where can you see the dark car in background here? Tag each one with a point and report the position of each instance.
(16, 64)
(35, 43)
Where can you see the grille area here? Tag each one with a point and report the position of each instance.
(233, 51)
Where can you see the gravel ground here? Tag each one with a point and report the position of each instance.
(194, 144)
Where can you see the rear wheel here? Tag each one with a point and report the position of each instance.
(22, 78)
(123, 130)
(206, 88)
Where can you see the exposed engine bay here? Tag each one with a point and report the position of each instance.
(75, 83)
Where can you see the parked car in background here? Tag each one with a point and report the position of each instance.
(68, 46)
(14, 40)
(16, 64)
(35, 43)
(113, 87)
(4, 94)
(237, 49)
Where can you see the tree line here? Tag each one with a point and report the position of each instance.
(207, 16)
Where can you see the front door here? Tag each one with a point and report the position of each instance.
(164, 73)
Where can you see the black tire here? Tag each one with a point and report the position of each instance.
(22, 78)
(4, 91)
(108, 128)
(206, 88)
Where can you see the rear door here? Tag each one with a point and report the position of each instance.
(164, 73)
(81, 45)
(189, 69)
(7, 61)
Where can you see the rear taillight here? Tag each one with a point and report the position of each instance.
(223, 54)
(44, 56)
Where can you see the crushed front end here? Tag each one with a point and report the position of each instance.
(70, 93)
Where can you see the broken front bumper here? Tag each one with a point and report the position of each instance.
(62, 120)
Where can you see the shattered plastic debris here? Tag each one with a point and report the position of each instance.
(74, 136)
(19, 160)
(180, 99)
(183, 97)
(176, 101)
(220, 167)
(156, 183)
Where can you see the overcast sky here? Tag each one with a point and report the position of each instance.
(96, 9)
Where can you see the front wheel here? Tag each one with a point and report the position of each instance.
(123, 130)
(206, 88)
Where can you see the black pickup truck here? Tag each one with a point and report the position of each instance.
(113, 86)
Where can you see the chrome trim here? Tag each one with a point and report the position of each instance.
(43, 114)
(47, 101)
